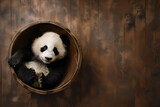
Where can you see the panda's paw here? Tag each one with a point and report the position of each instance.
(16, 58)
(14, 62)
(29, 77)
(42, 81)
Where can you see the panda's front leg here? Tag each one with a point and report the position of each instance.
(51, 80)
(42, 80)
(19, 57)
(26, 75)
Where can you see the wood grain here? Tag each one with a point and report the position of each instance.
(120, 43)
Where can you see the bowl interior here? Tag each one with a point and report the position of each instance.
(26, 35)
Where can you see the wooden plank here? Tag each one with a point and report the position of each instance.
(5, 29)
(89, 32)
(152, 42)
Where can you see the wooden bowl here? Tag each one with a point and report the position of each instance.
(25, 36)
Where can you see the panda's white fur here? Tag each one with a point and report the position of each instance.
(38, 67)
(51, 40)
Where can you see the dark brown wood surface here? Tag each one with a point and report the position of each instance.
(120, 41)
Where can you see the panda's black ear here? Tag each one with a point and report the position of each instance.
(65, 39)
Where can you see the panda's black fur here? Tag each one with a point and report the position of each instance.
(20, 57)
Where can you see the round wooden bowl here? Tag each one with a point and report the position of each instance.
(26, 35)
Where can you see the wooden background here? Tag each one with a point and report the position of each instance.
(120, 40)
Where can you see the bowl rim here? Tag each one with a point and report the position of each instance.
(79, 58)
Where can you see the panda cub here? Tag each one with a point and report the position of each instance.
(41, 65)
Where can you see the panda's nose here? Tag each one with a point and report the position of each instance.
(48, 59)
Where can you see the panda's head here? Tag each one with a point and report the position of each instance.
(50, 47)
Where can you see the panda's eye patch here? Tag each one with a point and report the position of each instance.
(55, 51)
(44, 48)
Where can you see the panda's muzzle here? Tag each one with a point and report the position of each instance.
(48, 59)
